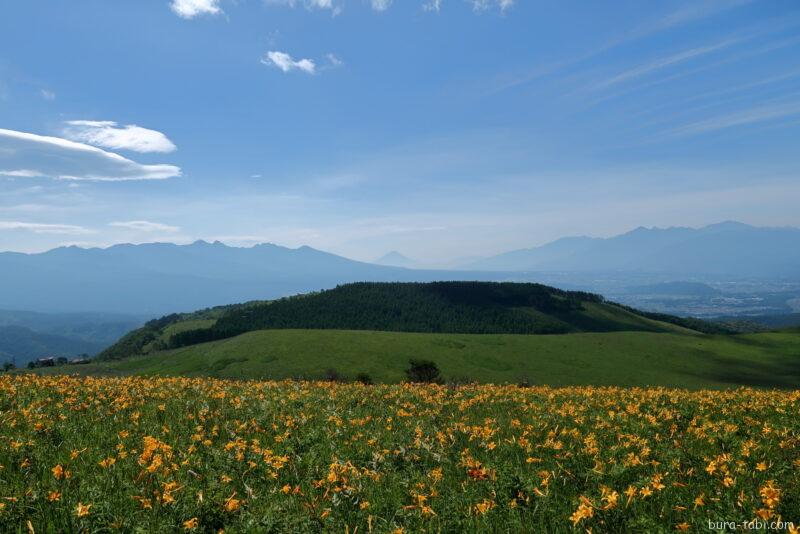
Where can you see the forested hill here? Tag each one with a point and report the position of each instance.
(440, 307)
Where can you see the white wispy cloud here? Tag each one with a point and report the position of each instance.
(664, 62)
(21, 173)
(42, 228)
(432, 5)
(47, 95)
(108, 134)
(380, 5)
(483, 5)
(189, 9)
(745, 117)
(308, 4)
(693, 12)
(287, 63)
(698, 11)
(145, 226)
(25, 154)
(334, 60)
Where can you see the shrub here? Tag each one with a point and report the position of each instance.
(424, 371)
(364, 378)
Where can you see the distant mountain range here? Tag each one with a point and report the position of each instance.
(159, 278)
(724, 249)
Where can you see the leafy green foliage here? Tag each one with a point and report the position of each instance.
(423, 371)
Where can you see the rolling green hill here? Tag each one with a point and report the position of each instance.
(474, 331)
(437, 307)
(610, 358)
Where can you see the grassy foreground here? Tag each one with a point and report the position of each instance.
(175, 454)
(609, 358)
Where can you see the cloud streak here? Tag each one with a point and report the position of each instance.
(41, 228)
(145, 226)
(25, 154)
(661, 63)
(741, 118)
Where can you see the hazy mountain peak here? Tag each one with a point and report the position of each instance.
(728, 225)
(395, 259)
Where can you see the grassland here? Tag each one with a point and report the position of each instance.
(181, 454)
(611, 358)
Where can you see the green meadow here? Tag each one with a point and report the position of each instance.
(608, 358)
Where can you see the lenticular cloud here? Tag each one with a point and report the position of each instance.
(27, 155)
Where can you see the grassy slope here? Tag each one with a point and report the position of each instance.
(617, 358)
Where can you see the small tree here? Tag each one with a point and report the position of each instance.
(8, 366)
(31, 365)
(424, 371)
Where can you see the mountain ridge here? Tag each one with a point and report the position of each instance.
(728, 248)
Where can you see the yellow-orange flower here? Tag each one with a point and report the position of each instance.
(82, 510)
(58, 472)
(232, 504)
(584, 511)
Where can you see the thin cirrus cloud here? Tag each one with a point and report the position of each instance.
(109, 134)
(287, 63)
(663, 62)
(189, 9)
(764, 113)
(145, 226)
(41, 228)
(27, 155)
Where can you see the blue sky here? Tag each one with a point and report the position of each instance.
(442, 129)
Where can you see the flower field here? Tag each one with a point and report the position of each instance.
(167, 455)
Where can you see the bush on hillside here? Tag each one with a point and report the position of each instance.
(423, 371)
(364, 378)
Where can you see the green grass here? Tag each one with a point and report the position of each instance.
(612, 358)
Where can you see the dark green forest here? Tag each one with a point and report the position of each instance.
(444, 307)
